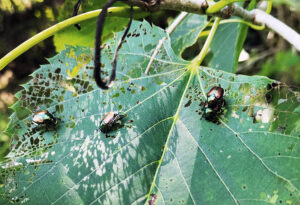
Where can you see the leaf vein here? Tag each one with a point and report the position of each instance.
(181, 174)
(210, 163)
(261, 160)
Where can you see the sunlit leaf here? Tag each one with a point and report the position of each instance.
(86, 35)
(166, 152)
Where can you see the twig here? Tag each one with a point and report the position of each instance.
(254, 16)
(260, 17)
(278, 26)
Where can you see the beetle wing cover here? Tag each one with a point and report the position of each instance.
(108, 117)
(38, 119)
(41, 116)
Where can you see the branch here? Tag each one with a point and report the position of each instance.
(200, 6)
(278, 26)
(190, 6)
(260, 17)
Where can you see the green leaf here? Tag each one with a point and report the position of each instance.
(86, 35)
(227, 46)
(68, 7)
(187, 32)
(165, 152)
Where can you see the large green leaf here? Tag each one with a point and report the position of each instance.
(165, 153)
(228, 43)
(85, 36)
(226, 46)
(187, 32)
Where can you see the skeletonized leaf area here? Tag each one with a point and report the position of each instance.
(166, 152)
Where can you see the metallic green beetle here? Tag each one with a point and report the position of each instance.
(213, 106)
(43, 117)
(111, 121)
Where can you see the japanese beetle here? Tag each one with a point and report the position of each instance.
(214, 104)
(215, 94)
(43, 117)
(111, 121)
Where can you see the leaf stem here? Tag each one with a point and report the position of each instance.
(253, 26)
(269, 7)
(198, 60)
(248, 23)
(115, 11)
(219, 5)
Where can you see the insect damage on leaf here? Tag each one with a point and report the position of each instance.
(214, 105)
(77, 160)
(43, 117)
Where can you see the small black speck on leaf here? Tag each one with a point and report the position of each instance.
(188, 103)
(57, 70)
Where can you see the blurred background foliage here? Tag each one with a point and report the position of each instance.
(266, 53)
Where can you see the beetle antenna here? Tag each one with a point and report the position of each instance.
(97, 59)
(114, 63)
(75, 12)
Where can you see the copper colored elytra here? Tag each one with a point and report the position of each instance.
(108, 117)
(43, 117)
(37, 118)
(218, 92)
(111, 121)
(213, 106)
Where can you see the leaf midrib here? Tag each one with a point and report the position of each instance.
(175, 119)
(149, 97)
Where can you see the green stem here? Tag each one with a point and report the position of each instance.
(198, 60)
(269, 8)
(219, 5)
(116, 11)
(253, 26)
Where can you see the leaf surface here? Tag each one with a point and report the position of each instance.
(228, 43)
(165, 153)
(187, 32)
(226, 46)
